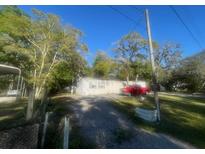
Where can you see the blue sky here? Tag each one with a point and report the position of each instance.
(103, 26)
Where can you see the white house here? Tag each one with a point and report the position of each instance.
(92, 86)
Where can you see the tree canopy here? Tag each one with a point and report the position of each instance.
(103, 66)
(129, 49)
(39, 44)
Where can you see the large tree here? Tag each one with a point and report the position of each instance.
(168, 55)
(42, 40)
(167, 59)
(37, 45)
(129, 49)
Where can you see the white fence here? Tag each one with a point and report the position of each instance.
(91, 86)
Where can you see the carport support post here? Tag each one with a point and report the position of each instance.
(154, 78)
(18, 86)
(21, 86)
(23, 90)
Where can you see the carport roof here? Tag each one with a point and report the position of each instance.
(6, 69)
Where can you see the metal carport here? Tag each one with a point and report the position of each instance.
(6, 69)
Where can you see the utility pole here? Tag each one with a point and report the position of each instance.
(154, 78)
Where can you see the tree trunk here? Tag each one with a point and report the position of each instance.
(39, 89)
(31, 99)
(127, 79)
(137, 76)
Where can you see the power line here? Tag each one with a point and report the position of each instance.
(194, 24)
(124, 15)
(187, 28)
(141, 14)
(138, 9)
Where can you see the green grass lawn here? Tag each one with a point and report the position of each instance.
(183, 118)
(12, 114)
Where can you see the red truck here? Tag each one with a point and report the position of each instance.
(136, 89)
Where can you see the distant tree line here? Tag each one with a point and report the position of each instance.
(131, 62)
(189, 75)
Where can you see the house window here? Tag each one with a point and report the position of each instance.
(92, 85)
(101, 84)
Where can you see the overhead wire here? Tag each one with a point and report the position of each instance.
(186, 27)
(125, 15)
(194, 24)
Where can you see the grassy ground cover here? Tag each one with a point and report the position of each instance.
(12, 114)
(181, 117)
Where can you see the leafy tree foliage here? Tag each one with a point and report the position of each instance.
(103, 66)
(38, 44)
(133, 58)
(129, 49)
(168, 56)
(167, 60)
(190, 76)
(142, 70)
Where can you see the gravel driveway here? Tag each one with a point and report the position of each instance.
(102, 124)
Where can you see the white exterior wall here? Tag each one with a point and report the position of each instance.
(91, 86)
